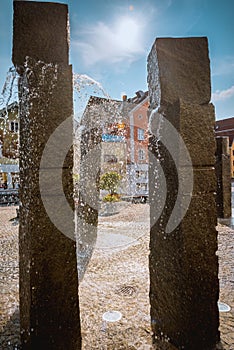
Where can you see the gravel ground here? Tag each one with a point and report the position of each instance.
(116, 279)
(9, 283)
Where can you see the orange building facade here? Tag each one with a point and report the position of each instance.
(232, 159)
(137, 148)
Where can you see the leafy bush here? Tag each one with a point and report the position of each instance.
(110, 181)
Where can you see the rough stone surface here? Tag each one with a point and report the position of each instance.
(183, 265)
(194, 124)
(37, 33)
(186, 74)
(222, 168)
(196, 127)
(204, 179)
(49, 307)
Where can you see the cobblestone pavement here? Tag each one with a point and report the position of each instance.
(9, 315)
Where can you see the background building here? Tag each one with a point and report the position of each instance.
(137, 146)
(9, 131)
(124, 139)
(9, 146)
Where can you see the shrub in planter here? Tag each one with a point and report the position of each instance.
(110, 181)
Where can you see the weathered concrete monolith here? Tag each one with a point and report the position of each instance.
(90, 164)
(222, 168)
(183, 265)
(49, 307)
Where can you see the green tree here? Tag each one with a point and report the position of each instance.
(110, 181)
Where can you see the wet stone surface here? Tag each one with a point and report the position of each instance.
(116, 279)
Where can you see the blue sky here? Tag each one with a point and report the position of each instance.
(110, 41)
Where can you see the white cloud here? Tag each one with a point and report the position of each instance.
(223, 95)
(120, 42)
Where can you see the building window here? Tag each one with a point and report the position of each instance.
(139, 116)
(140, 134)
(141, 174)
(14, 126)
(110, 158)
(141, 186)
(141, 154)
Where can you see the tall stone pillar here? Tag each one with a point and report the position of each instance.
(222, 167)
(49, 307)
(183, 265)
(90, 165)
